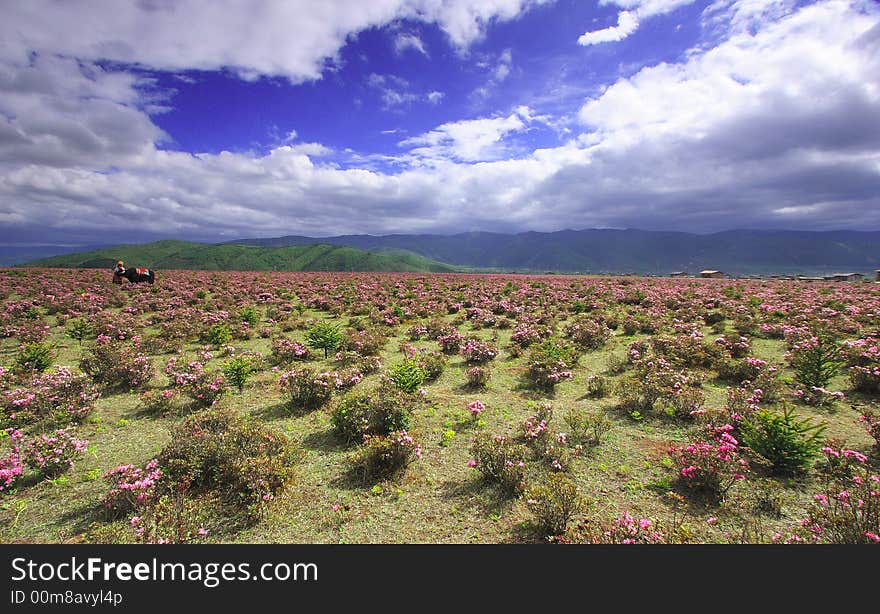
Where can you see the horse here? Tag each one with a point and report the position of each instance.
(135, 275)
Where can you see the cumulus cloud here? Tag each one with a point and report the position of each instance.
(628, 21)
(289, 38)
(772, 126)
(468, 140)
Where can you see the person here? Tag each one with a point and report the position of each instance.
(118, 272)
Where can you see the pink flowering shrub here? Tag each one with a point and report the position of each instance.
(711, 466)
(378, 412)
(587, 333)
(625, 529)
(478, 377)
(476, 352)
(431, 363)
(550, 363)
(307, 389)
(872, 426)
(527, 333)
(450, 340)
(366, 342)
(847, 510)
(171, 518)
(116, 364)
(10, 460)
(131, 488)
(60, 397)
(285, 351)
(385, 457)
(862, 358)
(500, 460)
(193, 380)
(735, 347)
(656, 384)
(53, 454)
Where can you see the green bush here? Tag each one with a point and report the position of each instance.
(80, 329)
(249, 314)
(238, 370)
(386, 456)
(407, 375)
(815, 361)
(33, 358)
(789, 443)
(432, 363)
(324, 336)
(219, 334)
(587, 427)
(380, 412)
(553, 503)
(243, 461)
(500, 460)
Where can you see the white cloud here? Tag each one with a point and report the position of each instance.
(290, 38)
(774, 126)
(434, 97)
(628, 21)
(404, 41)
(467, 140)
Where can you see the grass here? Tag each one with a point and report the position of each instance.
(440, 499)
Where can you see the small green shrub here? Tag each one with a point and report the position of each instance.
(249, 314)
(324, 336)
(219, 334)
(815, 361)
(238, 370)
(598, 387)
(789, 443)
(407, 375)
(553, 503)
(33, 358)
(386, 456)
(380, 412)
(500, 460)
(243, 461)
(587, 427)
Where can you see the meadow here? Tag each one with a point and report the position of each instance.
(275, 407)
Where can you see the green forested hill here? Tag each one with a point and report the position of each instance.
(202, 256)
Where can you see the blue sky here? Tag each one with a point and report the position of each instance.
(133, 121)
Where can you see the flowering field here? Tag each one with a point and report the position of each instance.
(373, 408)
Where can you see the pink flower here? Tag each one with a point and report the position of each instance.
(472, 463)
(711, 521)
(203, 531)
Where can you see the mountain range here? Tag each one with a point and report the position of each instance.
(597, 251)
(612, 251)
(170, 254)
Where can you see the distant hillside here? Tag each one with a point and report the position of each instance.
(633, 251)
(203, 256)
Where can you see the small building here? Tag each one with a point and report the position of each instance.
(712, 274)
(682, 274)
(809, 278)
(877, 275)
(845, 277)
